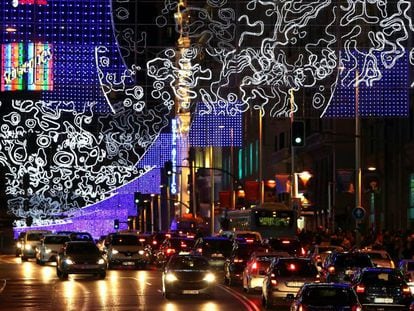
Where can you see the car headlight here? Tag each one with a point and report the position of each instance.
(48, 250)
(101, 261)
(141, 252)
(28, 247)
(170, 277)
(114, 251)
(69, 261)
(19, 245)
(210, 277)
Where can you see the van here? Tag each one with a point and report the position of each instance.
(31, 243)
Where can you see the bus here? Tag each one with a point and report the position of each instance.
(270, 220)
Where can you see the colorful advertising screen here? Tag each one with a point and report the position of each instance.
(26, 66)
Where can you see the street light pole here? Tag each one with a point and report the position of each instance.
(358, 179)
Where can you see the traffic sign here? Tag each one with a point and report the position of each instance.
(358, 213)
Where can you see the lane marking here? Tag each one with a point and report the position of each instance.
(3, 286)
(244, 300)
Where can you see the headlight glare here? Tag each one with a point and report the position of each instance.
(101, 261)
(69, 261)
(115, 251)
(141, 252)
(48, 250)
(210, 277)
(28, 247)
(170, 277)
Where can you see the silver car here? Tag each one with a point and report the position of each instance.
(49, 248)
(285, 277)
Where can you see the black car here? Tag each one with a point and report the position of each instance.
(187, 275)
(341, 266)
(290, 245)
(382, 288)
(216, 249)
(80, 257)
(236, 262)
(172, 246)
(326, 296)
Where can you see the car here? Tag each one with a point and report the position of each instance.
(126, 250)
(31, 242)
(382, 288)
(172, 246)
(406, 266)
(50, 246)
(284, 277)
(216, 249)
(326, 296)
(187, 275)
(80, 257)
(289, 244)
(248, 236)
(341, 266)
(319, 252)
(255, 269)
(236, 262)
(19, 243)
(380, 258)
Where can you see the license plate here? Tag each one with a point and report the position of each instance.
(191, 292)
(295, 284)
(383, 300)
(128, 263)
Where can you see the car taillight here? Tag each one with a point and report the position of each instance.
(254, 266)
(238, 260)
(273, 282)
(331, 269)
(142, 240)
(301, 307)
(183, 245)
(360, 289)
(199, 250)
(406, 290)
(318, 279)
(356, 308)
(170, 251)
(154, 242)
(249, 240)
(302, 251)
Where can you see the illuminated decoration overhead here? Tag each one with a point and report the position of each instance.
(26, 66)
(117, 74)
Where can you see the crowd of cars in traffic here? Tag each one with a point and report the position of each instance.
(279, 269)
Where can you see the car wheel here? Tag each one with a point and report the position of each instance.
(167, 295)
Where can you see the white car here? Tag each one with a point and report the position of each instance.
(49, 248)
(31, 243)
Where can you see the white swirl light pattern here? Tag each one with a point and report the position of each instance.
(243, 55)
(252, 54)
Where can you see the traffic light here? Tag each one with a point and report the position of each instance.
(168, 168)
(298, 134)
(116, 224)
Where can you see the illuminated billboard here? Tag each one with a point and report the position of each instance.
(26, 66)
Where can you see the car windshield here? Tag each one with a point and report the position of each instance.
(81, 236)
(82, 248)
(353, 260)
(34, 236)
(217, 246)
(328, 296)
(184, 263)
(125, 240)
(295, 268)
(60, 239)
(382, 277)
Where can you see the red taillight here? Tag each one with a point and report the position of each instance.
(154, 242)
(331, 269)
(254, 266)
(168, 235)
(302, 308)
(406, 290)
(199, 250)
(170, 251)
(274, 282)
(238, 260)
(142, 240)
(183, 245)
(249, 240)
(360, 289)
(285, 242)
(302, 251)
(356, 308)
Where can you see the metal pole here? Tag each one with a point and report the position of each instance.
(357, 156)
(261, 185)
(193, 192)
(159, 213)
(212, 190)
(292, 154)
(152, 213)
